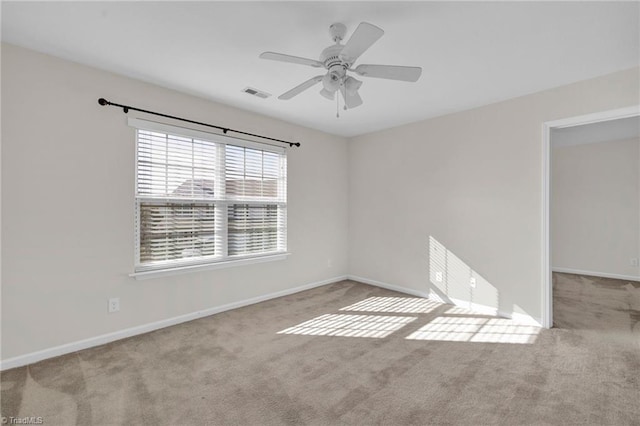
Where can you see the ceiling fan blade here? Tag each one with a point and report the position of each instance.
(362, 38)
(390, 72)
(301, 88)
(351, 100)
(292, 59)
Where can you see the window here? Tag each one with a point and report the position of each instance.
(203, 199)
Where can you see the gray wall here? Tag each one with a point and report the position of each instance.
(68, 207)
(461, 195)
(595, 207)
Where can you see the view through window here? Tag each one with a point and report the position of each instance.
(204, 200)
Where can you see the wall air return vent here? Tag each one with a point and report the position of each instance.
(256, 92)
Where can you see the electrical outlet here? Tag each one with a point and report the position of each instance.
(438, 277)
(114, 304)
(634, 261)
(472, 282)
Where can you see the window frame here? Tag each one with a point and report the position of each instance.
(223, 203)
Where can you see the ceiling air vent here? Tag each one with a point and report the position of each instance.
(256, 92)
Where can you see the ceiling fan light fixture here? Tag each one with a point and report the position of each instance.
(331, 82)
(352, 85)
(327, 94)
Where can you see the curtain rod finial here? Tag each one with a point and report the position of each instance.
(103, 101)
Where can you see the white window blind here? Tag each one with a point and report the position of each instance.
(203, 198)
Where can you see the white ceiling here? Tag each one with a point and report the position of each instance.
(472, 53)
(604, 131)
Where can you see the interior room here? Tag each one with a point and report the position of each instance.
(595, 226)
(314, 213)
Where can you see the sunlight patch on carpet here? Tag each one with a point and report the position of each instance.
(473, 329)
(375, 326)
(403, 305)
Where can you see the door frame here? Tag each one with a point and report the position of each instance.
(547, 282)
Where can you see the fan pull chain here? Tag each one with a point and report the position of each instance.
(337, 106)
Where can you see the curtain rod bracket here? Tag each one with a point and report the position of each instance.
(126, 108)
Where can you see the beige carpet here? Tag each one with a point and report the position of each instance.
(387, 359)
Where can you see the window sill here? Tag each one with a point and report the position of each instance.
(144, 275)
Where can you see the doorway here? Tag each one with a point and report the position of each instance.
(549, 128)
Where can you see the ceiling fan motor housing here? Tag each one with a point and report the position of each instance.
(330, 57)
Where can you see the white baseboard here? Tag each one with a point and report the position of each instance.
(476, 307)
(488, 310)
(522, 318)
(67, 348)
(480, 309)
(596, 274)
(388, 286)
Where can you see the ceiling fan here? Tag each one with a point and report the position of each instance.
(338, 60)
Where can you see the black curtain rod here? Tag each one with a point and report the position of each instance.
(126, 108)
